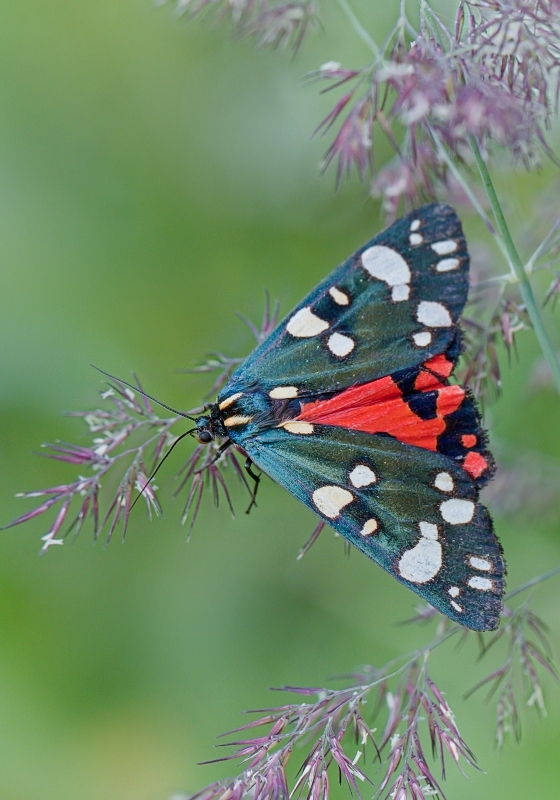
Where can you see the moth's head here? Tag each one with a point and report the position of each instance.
(204, 431)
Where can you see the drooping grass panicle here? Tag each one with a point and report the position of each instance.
(124, 434)
(493, 75)
(337, 730)
(129, 442)
(381, 727)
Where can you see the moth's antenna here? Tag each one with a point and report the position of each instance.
(149, 396)
(182, 436)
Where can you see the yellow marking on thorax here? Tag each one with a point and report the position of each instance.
(236, 420)
(229, 400)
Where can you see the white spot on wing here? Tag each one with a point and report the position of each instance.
(400, 292)
(295, 426)
(434, 315)
(482, 584)
(445, 247)
(370, 527)
(362, 475)
(415, 224)
(386, 264)
(457, 511)
(456, 606)
(415, 238)
(444, 482)
(454, 591)
(429, 530)
(447, 264)
(283, 392)
(339, 297)
(480, 563)
(421, 563)
(237, 419)
(340, 345)
(422, 339)
(305, 323)
(229, 400)
(330, 500)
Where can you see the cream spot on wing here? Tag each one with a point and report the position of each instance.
(434, 315)
(445, 247)
(456, 511)
(444, 482)
(305, 323)
(369, 527)
(454, 591)
(283, 392)
(422, 339)
(339, 297)
(362, 475)
(229, 400)
(386, 264)
(294, 426)
(429, 530)
(456, 606)
(480, 563)
(482, 584)
(400, 292)
(330, 500)
(415, 224)
(447, 264)
(421, 563)
(230, 422)
(340, 345)
(415, 238)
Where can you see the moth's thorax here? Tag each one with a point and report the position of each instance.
(243, 414)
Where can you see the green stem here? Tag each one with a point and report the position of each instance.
(464, 184)
(533, 582)
(517, 264)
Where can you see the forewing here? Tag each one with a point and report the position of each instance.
(390, 306)
(412, 511)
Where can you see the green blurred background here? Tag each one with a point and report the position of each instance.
(155, 177)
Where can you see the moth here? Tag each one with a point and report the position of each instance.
(349, 405)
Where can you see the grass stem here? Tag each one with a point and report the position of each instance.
(524, 284)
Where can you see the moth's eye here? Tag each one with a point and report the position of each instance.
(204, 437)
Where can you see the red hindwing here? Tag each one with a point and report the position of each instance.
(381, 407)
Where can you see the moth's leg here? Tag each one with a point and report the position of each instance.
(257, 479)
(221, 449)
(217, 455)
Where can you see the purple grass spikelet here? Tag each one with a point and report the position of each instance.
(127, 435)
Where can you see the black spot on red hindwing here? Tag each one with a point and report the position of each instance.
(424, 404)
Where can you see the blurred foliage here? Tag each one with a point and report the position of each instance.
(156, 176)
